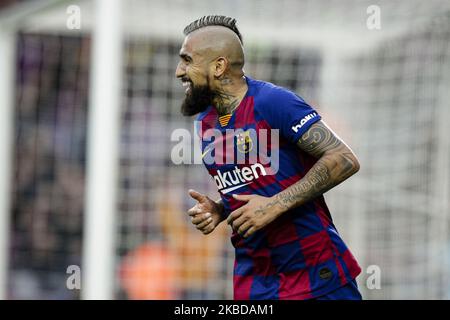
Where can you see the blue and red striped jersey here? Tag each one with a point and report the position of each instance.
(300, 255)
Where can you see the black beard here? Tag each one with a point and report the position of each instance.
(197, 100)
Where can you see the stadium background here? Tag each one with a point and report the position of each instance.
(384, 91)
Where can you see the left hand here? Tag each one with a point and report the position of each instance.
(258, 212)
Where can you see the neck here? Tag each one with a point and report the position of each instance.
(229, 95)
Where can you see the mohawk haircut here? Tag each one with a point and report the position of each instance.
(213, 20)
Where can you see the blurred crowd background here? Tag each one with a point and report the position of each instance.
(385, 91)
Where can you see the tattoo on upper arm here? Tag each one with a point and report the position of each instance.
(318, 139)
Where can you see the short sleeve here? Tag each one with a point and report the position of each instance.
(286, 111)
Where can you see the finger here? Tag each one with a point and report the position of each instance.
(244, 227)
(243, 197)
(194, 211)
(200, 218)
(203, 224)
(208, 229)
(196, 195)
(250, 231)
(235, 214)
(239, 221)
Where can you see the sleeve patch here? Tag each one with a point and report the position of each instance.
(303, 121)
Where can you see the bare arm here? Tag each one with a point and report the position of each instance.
(336, 162)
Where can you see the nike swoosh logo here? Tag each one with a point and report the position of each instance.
(207, 149)
(224, 191)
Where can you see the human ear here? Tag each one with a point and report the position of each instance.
(220, 66)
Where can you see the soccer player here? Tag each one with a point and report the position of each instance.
(286, 245)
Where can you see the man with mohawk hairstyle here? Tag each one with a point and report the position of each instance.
(286, 245)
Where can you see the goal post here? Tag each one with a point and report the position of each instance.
(103, 145)
(7, 77)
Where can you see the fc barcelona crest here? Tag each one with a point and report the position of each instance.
(244, 142)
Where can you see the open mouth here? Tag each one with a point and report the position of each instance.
(187, 85)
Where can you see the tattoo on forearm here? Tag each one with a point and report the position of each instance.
(316, 182)
(262, 210)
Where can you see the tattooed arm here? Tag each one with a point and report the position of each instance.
(336, 162)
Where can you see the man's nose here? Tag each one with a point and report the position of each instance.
(180, 71)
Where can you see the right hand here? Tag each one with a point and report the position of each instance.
(206, 214)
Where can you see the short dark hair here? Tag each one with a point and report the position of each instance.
(213, 20)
